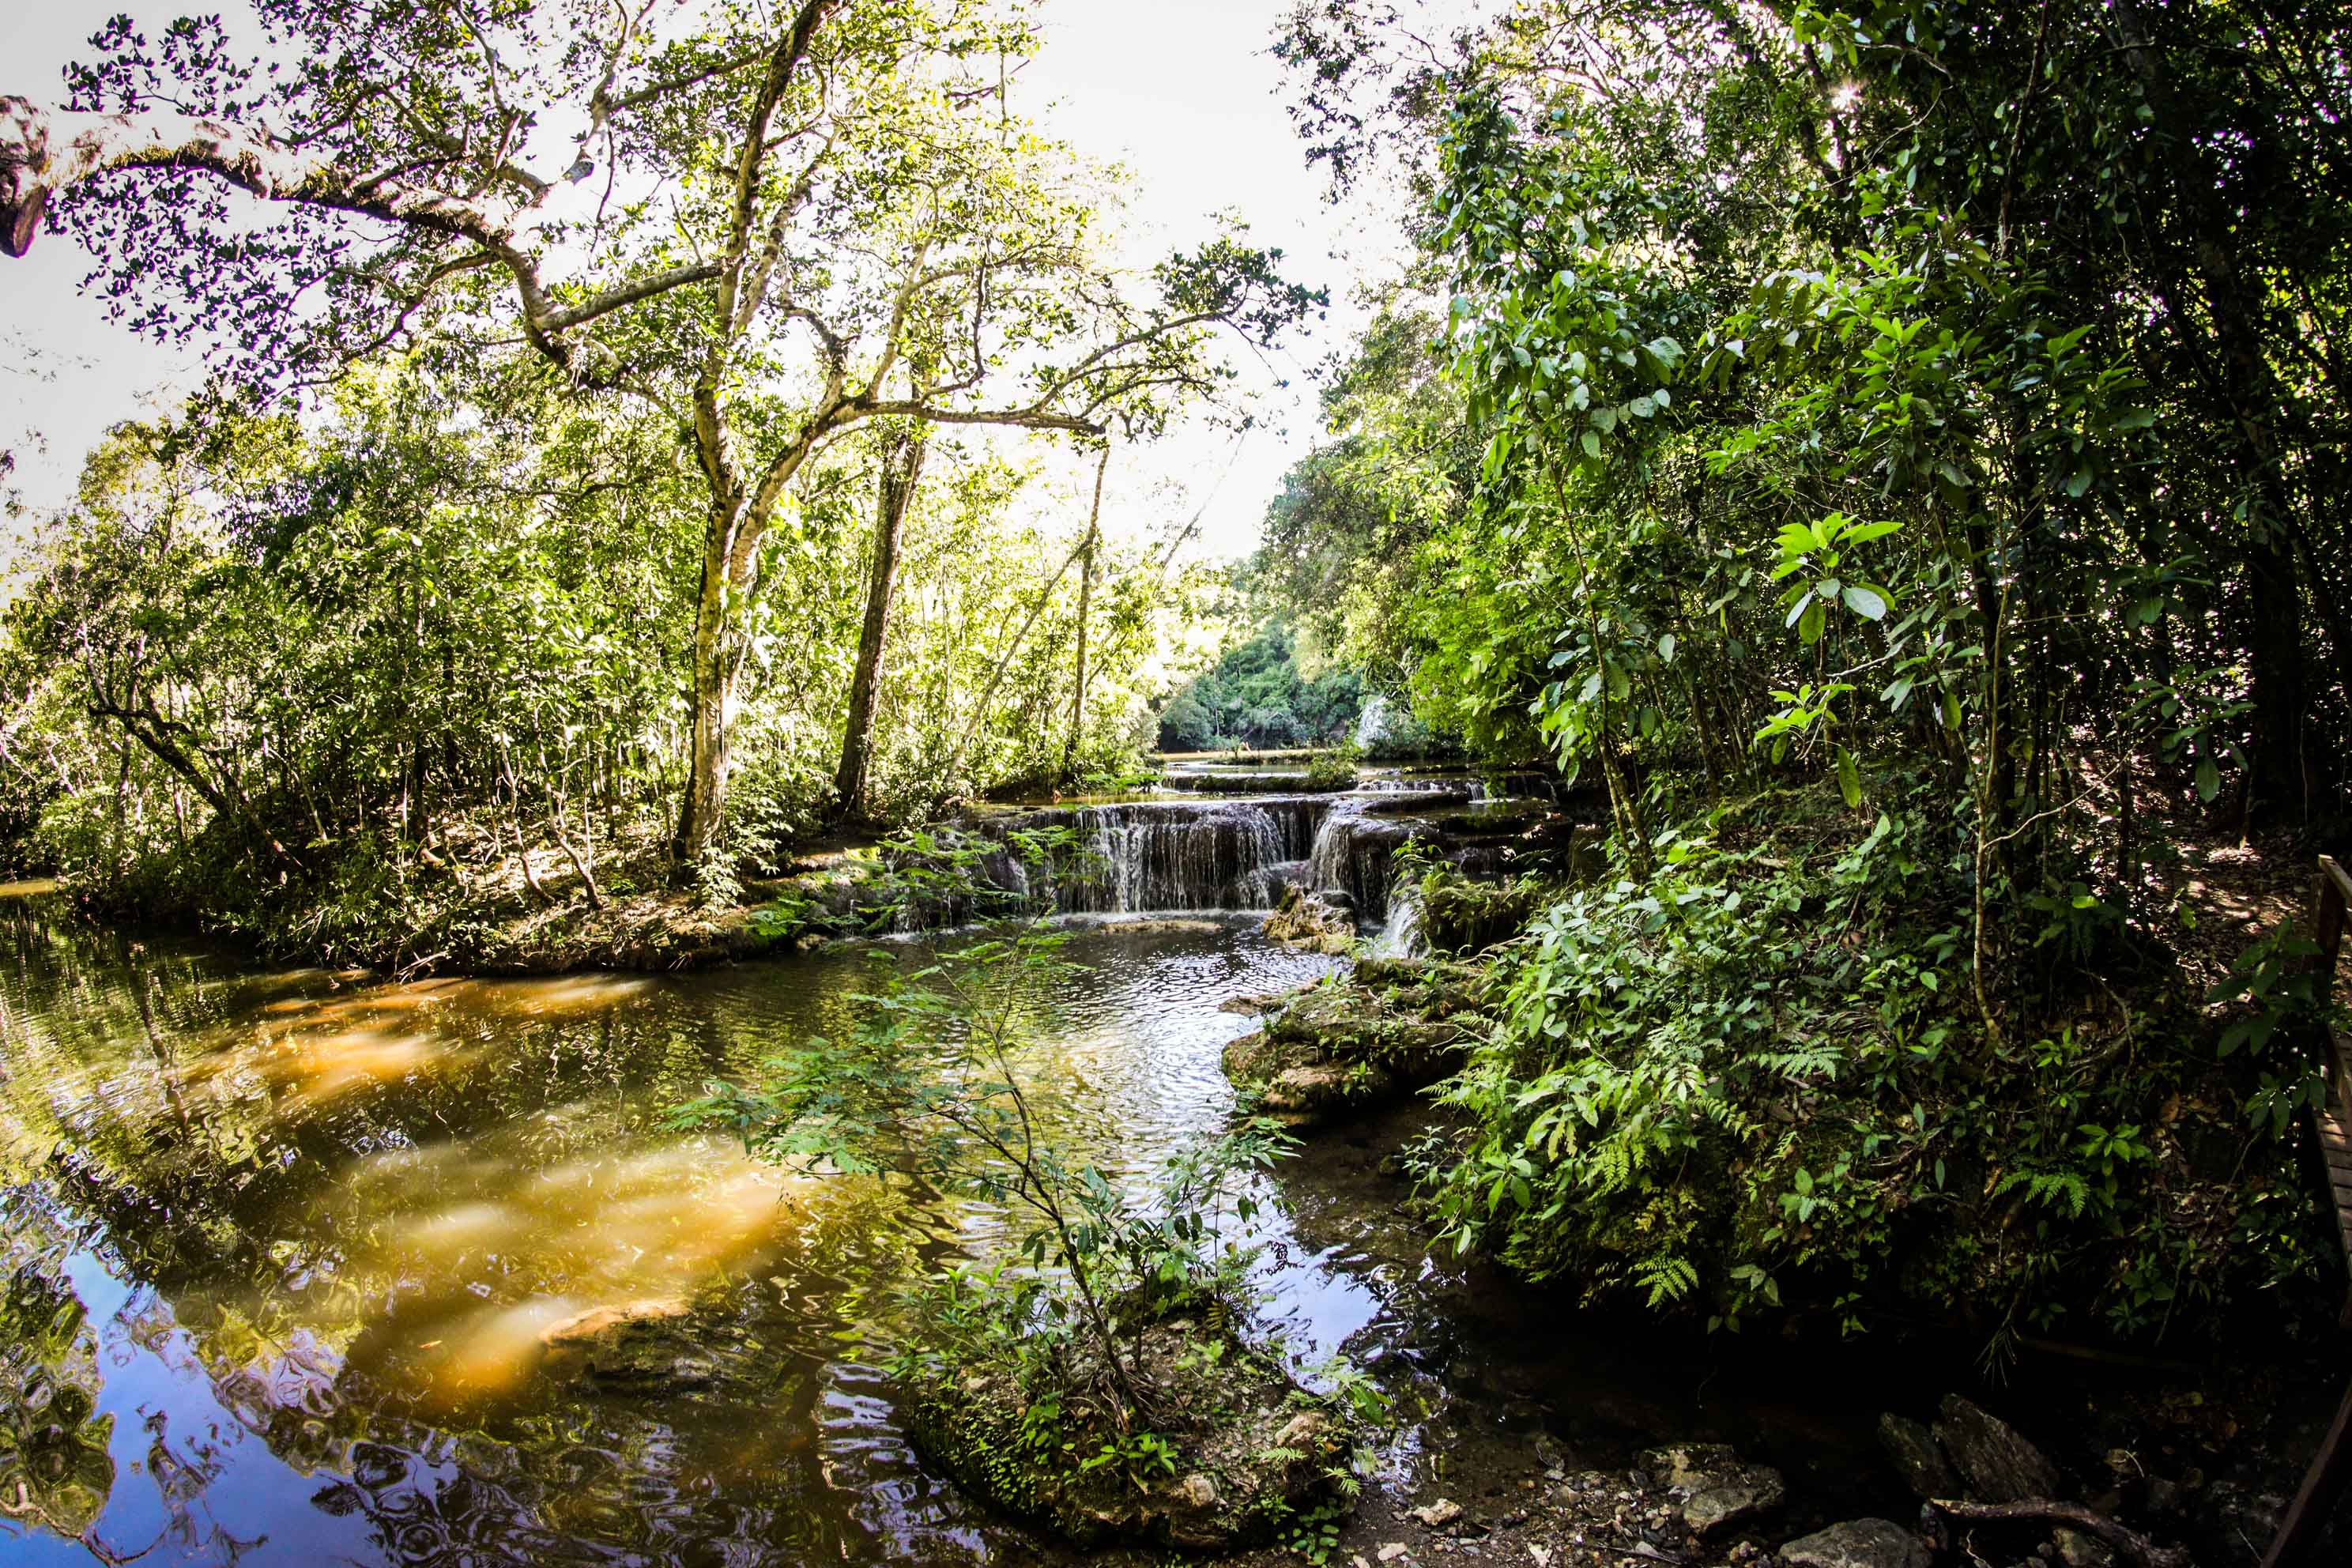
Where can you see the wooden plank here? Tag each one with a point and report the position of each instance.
(2341, 880)
(2323, 1484)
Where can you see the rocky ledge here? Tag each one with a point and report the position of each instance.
(1392, 1028)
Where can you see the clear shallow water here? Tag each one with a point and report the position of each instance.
(282, 1248)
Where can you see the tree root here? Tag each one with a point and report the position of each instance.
(2122, 1538)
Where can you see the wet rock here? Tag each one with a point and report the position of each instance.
(1308, 1431)
(634, 1346)
(1999, 1465)
(1717, 1506)
(1306, 920)
(1199, 1490)
(1441, 1514)
(1857, 1543)
(1918, 1456)
(1715, 1488)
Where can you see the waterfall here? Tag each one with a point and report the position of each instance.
(1372, 724)
(1402, 936)
(1165, 855)
(1352, 856)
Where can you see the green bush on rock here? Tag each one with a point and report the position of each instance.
(1093, 1380)
(1393, 1027)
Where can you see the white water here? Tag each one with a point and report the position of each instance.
(1402, 936)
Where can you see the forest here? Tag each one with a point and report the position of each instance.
(1753, 791)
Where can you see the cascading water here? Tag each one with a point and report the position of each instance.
(1352, 856)
(1402, 936)
(1167, 855)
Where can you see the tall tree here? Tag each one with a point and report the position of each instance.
(768, 227)
(902, 470)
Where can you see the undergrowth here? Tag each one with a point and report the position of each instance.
(1759, 1086)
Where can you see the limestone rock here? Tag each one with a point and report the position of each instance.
(1857, 1543)
(1199, 1491)
(1306, 920)
(1439, 1514)
(1918, 1456)
(1999, 1465)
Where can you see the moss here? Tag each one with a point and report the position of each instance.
(1462, 916)
(1245, 1451)
(1392, 1028)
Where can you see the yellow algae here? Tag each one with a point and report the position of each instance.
(495, 1349)
(564, 996)
(447, 1231)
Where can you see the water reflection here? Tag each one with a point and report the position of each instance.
(301, 1267)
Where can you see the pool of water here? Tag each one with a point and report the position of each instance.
(282, 1248)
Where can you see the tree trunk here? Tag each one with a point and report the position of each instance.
(714, 671)
(1085, 605)
(902, 469)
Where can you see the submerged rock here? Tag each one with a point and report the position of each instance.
(634, 1346)
(1998, 1464)
(1857, 1543)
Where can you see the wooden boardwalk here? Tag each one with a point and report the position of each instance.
(2324, 1483)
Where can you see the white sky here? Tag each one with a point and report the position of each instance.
(1182, 92)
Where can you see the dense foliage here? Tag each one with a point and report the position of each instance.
(1915, 406)
(353, 688)
(1255, 696)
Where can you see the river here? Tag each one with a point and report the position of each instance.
(282, 1245)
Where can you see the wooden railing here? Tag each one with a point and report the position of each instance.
(2324, 1483)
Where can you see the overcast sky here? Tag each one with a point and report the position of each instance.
(1182, 92)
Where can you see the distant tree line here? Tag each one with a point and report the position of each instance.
(1257, 696)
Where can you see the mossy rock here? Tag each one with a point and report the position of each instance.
(1304, 920)
(1393, 1028)
(1469, 917)
(1252, 1450)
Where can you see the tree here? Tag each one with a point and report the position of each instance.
(902, 469)
(804, 223)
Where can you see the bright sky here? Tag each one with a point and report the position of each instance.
(1182, 92)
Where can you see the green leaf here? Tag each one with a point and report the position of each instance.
(2209, 781)
(1666, 648)
(1849, 779)
(1864, 602)
(1591, 444)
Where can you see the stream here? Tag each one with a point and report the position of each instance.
(281, 1247)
